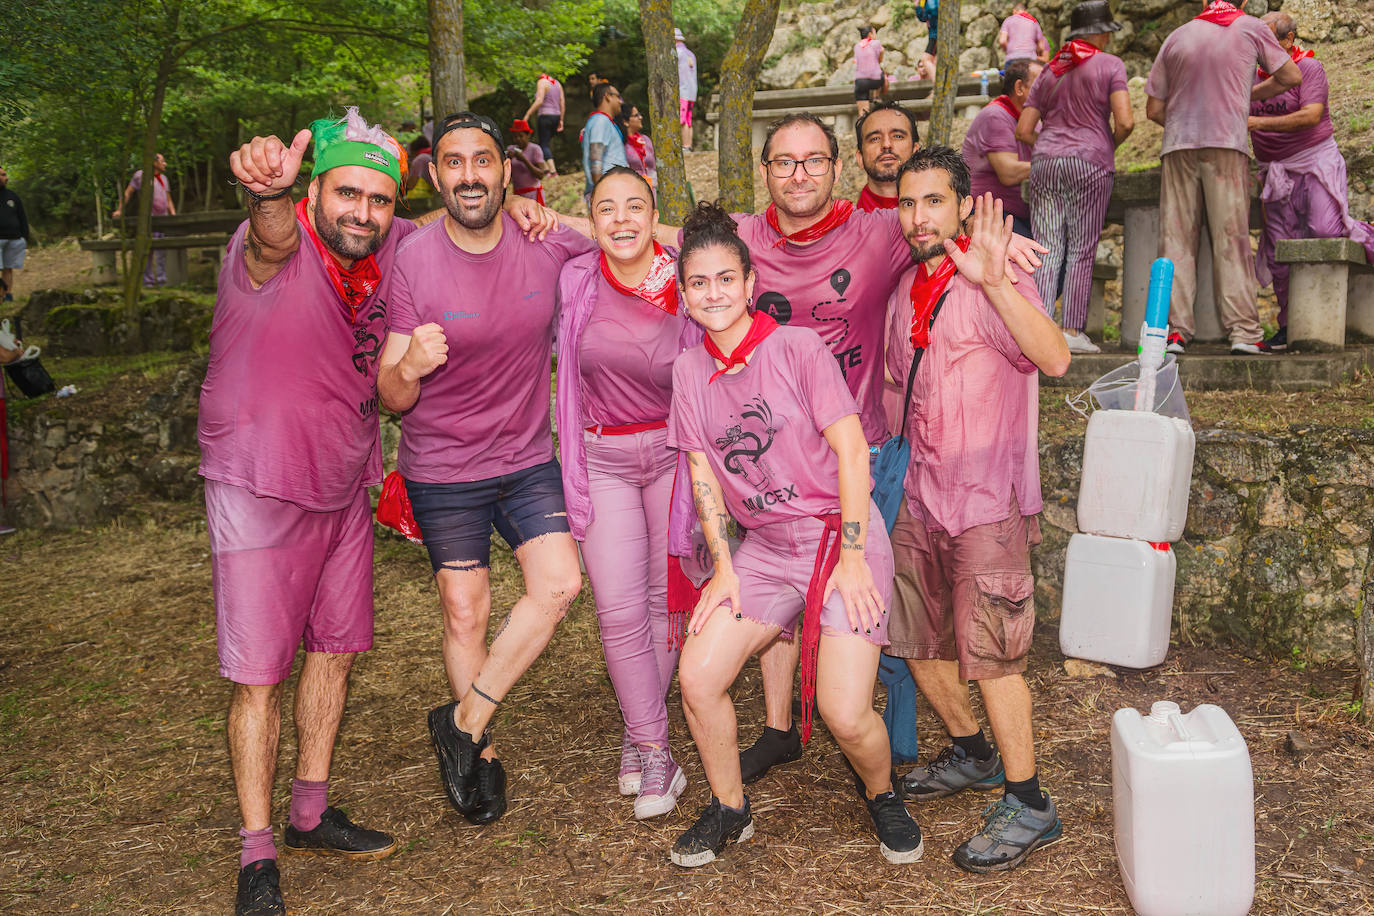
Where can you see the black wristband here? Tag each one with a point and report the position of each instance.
(258, 198)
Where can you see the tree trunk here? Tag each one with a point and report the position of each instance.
(656, 22)
(1364, 640)
(448, 83)
(133, 274)
(947, 49)
(738, 72)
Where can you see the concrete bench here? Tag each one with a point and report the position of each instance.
(1330, 289)
(103, 253)
(1097, 305)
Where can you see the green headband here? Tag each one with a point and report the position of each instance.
(355, 152)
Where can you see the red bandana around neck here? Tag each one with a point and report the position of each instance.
(1074, 52)
(869, 202)
(1028, 16)
(353, 284)
(1295, 53)
(762, 326)
(1006, 102)
(636, 141)
(659, 286)
(839, 212)
(926, 290)
(1220, 12)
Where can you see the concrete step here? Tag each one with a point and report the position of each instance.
(1212, 367)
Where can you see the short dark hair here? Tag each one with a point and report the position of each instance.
(599, 92)
(708, 225)
(885, 106)
(791, 120)
(1016, 70)
(866, 30)
(940, 157)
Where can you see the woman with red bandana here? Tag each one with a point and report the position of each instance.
(620, 329)
(639, 148)
(773, 439)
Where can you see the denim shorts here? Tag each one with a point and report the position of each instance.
(456, 519)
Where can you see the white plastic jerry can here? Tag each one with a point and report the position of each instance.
(1137, 466)
(1118, 600)
(1184, 808)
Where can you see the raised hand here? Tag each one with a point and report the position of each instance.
(265, 165)
(990, 235)
(427, 351)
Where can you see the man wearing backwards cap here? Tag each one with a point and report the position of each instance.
(467, 362)
(289, 443)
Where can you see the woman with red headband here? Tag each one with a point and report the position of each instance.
(773, 439)
(620, 329)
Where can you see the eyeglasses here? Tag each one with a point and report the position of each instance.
(816, 166)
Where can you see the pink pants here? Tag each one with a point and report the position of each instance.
(626, 553)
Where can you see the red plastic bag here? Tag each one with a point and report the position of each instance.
(393, 508)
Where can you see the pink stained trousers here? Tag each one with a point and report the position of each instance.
(626, 553)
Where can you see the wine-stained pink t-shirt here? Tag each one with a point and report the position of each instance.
(289, 404)
(626, 356)
(1022, 36)
(485, 412)
(1075, 110)
(762, 428)
(993, 130)
(1274, 145)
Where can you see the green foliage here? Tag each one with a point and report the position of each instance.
(515, 42)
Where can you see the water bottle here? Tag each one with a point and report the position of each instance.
(1154, 331)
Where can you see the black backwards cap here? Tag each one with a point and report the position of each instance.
(465, 120)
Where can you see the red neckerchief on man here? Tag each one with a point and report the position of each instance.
(1006, 102)
(353, 284)
(1295, 53)
(1074, 52)
(926, 290)
(1027, 15)
(603, 114)
(840, 211)
(868, 201)
(1220, 12)
(659, 286)
(762, 326)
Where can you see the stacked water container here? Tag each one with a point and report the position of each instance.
(1132, 503)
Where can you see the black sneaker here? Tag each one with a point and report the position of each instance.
(899, 838)
(1279, 342)
(336, 835)
(716, 828)
(458, 755)
(953, 771)
(489, 799)
(259, 890)
(772, 748)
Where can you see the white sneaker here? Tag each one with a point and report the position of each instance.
(1080, 343)
(663, 782)
(1250, 349)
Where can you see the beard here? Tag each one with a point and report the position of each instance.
(877, 173)
(482, 218)
(923, 253)
(350, 247)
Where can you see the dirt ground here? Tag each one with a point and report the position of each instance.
(119, 798)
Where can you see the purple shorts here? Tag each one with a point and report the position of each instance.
(774, 565)
(283, 574)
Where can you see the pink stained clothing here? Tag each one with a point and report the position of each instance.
(761, 428)
(867, 65)
(838, 287)
(1203, 74)
(161, 192)
(485, 412)
(294, 423)
(553, 99)
(775, 564)
(1271, 145)
(1071, 198)
(522, 180)
(282, 574)
(626, 554)
(1023, 36)
(1075, 110)
(974, 409)
(646, 165)
(626, 359)
(993, 130)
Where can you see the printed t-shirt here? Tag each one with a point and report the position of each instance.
(1075, 110)
(553, 99)
(626, 356)
(866, 64)
(289, 404)
(1203, 74)
(761, 428)
(485, 412)
(1275, 146)
(1022, 36)
(601, 129)
(993, 130)
(974, 409)
(160, 191)
(520, 175)
(686, 73)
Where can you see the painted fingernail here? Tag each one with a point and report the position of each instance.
(739, 616)
(856, 629)
(868, 631)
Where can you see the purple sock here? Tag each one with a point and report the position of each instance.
(257, 844)
(307, 803)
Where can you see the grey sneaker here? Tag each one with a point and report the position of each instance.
(629, 766)
(661, 783)
(1011, 831)
(953, 771)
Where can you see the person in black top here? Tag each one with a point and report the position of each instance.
(14, 233)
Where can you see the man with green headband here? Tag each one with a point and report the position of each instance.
(290, 443)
